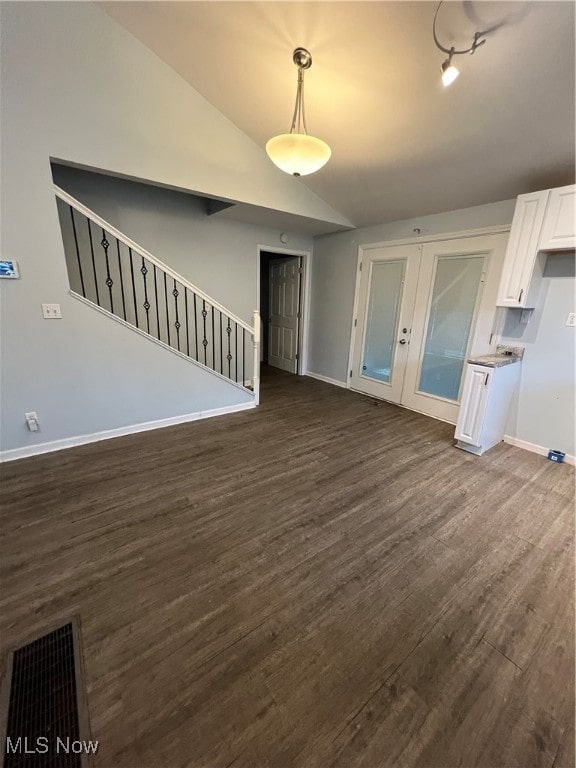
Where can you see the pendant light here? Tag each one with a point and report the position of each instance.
(449, 71)
(296, 152)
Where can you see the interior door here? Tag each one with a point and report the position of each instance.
(455, 308)
(284, 313)
(423, 310)
(385, 307)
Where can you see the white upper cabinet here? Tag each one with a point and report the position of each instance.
(522, 249)
(559, 227)
(543, 221)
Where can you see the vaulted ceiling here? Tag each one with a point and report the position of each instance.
(402, 144)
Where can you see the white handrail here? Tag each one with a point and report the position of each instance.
(77, 205)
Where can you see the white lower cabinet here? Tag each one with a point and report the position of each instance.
(485, 405)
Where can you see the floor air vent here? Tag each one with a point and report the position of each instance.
(44, 725)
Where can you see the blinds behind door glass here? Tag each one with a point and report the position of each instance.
(383, 305)
(454, 295)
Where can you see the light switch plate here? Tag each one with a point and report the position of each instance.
(51, 311)
(571, 319)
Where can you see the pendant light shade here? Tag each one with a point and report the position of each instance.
(296, 152)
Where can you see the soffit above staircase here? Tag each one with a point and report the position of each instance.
(232, 210)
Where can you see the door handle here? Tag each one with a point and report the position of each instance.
(402, 341)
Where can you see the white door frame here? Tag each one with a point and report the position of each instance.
(420, 239)
(304, 324)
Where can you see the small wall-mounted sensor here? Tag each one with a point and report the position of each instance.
(32, 421)
(51, 311)
(571, 319)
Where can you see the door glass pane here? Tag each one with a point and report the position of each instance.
(451, 313)
(383, 305)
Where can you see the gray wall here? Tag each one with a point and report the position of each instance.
(78, 87)
(543, 412)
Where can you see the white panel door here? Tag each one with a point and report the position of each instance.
(284, 310)
(386, 303)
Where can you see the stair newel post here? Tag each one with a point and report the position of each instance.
(256, 363)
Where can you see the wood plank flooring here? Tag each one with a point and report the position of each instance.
(325, 582)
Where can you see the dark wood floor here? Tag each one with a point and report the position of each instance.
(323, 582)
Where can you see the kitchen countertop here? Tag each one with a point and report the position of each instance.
(495, 361)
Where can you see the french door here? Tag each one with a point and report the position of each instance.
(422, 311)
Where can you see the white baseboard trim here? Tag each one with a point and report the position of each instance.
(540, 449)
(326, 379)
(72, 442)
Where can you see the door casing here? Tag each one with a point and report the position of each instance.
(304, 325)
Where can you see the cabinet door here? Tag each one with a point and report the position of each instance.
(522, 249)
(559, 227)
(473, 407)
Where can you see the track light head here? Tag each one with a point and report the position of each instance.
(449, 72)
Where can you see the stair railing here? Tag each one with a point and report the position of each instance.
(123, 279)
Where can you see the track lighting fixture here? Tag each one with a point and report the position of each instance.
(449, 71)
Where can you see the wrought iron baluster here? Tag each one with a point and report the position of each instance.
(236, 349)
(177, 324)
(146, 305)
(213, 343)
(133, 287)
(121, 278)
(228, 356)
(204, 339)
(167, 310)
(93, 262)
(157, 306)
(77, 251)
(187, 324)
(196, 326)
(109, 282)
(221, 346)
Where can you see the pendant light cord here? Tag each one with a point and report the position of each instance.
(299, 117)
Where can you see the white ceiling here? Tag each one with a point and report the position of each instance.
(402, 145)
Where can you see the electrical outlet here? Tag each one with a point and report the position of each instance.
(51, 311)
(32, 421)
(571, 319)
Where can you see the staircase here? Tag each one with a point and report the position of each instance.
(110, 271)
